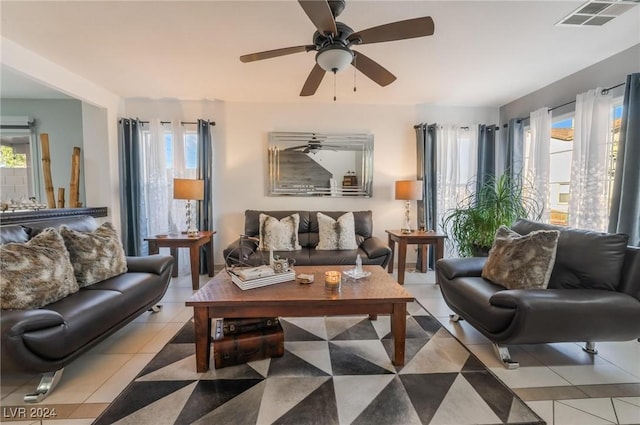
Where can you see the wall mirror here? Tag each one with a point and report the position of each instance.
(320, 164)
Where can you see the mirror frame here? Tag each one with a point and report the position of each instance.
(285, 181)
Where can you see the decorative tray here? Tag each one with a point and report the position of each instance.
(354, 275)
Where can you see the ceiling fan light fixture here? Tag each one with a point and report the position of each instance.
(334, 58)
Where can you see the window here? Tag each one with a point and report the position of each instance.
(560, 156)
(9, 158)
(191, 150)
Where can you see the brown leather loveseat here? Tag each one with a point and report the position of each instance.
(45, 340)
(372, 249)
(593, 294)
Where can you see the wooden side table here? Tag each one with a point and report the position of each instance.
(175, 241)
(413, 238)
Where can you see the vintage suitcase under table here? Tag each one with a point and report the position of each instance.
(238, 348)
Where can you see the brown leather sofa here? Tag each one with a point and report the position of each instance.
(593, 294)
(372, 249)
(45, 340)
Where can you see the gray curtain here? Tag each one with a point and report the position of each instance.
(204, 214)
(486, 154)
(130, 181)
(426, 171)
(514, 149)
(625, 197)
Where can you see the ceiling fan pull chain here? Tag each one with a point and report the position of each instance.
(334, 83)
(355, 58)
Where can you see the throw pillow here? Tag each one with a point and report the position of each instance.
(337, 234)
(96, 255)
(521, 262)
(279, 235)
(35, 273)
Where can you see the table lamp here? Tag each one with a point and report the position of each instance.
(191, 190)
(408, 190)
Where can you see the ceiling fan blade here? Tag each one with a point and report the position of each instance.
(275, 53)
(320, 14)
(313, 81)
(401, 30)
(373, 69)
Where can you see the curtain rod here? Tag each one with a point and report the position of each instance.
(603, 91)
(169, 122)
(181, 122)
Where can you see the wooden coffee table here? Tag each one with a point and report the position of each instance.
(376, 294)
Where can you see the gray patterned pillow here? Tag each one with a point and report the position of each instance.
(35, 273)
(96, 255)
(337, 234)
(521, 262)
(280, 235)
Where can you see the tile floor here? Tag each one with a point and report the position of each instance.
(560, 382)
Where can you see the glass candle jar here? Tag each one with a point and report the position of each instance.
(332, 280)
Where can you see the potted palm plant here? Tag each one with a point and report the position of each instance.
(500, 201)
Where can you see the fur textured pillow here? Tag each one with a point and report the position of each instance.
(96, 255)
(337, 234)
(35, 273)
(521, 262)
(279, 235)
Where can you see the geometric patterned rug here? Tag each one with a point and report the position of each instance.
(335, 370)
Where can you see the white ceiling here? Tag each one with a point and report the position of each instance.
(483, 53)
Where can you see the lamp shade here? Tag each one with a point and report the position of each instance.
(188, 189)
(408, 190)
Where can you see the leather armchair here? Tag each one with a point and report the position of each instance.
(573, 308)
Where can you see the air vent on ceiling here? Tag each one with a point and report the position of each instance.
(597, 13)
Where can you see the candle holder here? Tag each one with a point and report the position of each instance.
(332, 280)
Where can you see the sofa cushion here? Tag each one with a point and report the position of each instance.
(96, 255)
(279, 235)
(35, 273)
(584, 259)
(336, 234)
(521, 262)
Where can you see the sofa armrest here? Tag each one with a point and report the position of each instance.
(452, 268)
(156, 263)
(18, 322)
(249, 245)
(375, 247)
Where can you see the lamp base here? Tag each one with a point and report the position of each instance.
(192, 233)
(406, 231)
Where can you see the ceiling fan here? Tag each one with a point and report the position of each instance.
(313, 146)
(333, 41)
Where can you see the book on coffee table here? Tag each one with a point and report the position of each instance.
(262, 281)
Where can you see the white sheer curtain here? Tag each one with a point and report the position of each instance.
(457, 154)
(537, 166)
(589, 188)
(163, 159)
(155, 194)
(177, 212)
